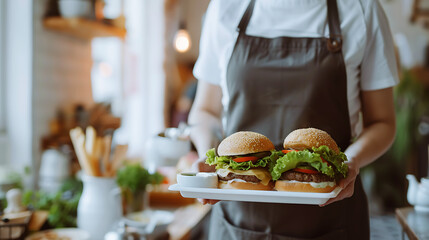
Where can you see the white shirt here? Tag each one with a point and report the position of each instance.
(368, 48)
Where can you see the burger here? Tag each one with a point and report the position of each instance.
(242, 161)
(311, 162)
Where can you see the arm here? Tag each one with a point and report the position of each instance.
(377, 136)
(205, 118)
(379, 127)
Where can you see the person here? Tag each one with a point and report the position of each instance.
(273, 66)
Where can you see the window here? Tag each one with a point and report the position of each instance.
(16, 77)
(3, 137)
(106, 72)
(2, 81)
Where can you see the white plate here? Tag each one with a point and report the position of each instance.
(255, 195)
(141, 219)
(60, 233)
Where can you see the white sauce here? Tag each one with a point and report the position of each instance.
(236, 180)
(316, 185)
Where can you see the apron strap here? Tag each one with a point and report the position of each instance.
(242, 26)
(335, 38)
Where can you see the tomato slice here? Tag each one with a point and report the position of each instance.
(288, 151)
(302, 170)
(323, 160)
(245, 159)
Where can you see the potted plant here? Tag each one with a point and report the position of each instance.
(133, 180)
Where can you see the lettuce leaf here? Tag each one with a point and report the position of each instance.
(273, 159)
(311, 158)
(278, 162)
(335, 159)
(211, 157)
(227, 162)
(293, 159)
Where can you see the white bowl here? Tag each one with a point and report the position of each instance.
(164, 151)
(172, 148)
(198, 180)
(75, 8)
(142, 219)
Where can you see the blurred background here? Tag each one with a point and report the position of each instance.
(124, 67)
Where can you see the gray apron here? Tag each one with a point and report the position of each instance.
(277, 85)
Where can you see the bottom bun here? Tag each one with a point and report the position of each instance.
(294, 186)
(245, 185)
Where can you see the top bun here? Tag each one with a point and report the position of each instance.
(307, 138)
(241, 143)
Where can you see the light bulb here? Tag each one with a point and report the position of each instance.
(182, 41)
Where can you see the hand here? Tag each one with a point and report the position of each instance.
(201, 166)
(347, 184)
(207, 201)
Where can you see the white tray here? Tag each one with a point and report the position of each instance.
(255, 195)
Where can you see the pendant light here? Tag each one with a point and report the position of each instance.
(182, 40)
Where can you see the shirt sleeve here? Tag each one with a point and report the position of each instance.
(207, 67)
(379, 67)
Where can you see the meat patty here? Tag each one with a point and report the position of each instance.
(305, 177)
(247, 178)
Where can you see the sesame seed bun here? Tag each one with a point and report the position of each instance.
(241, 143)
(294, 186)
(306, 138)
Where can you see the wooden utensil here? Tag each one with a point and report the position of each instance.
(78, 140)
(107, 142)
(90, 145)
(118, 158)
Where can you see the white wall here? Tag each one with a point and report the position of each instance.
(2, 62)
(398, 13)
(4, 148)
(61, 75)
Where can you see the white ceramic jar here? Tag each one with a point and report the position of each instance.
(54, 170)
(418, 193)
(99, 207)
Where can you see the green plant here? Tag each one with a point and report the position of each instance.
(134, 178)
(412, 102)
(9, 176)
(3, 204)
(62, 206)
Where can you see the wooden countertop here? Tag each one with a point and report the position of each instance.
(185, 219)
(414, 224)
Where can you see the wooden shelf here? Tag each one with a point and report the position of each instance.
(83, 28)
